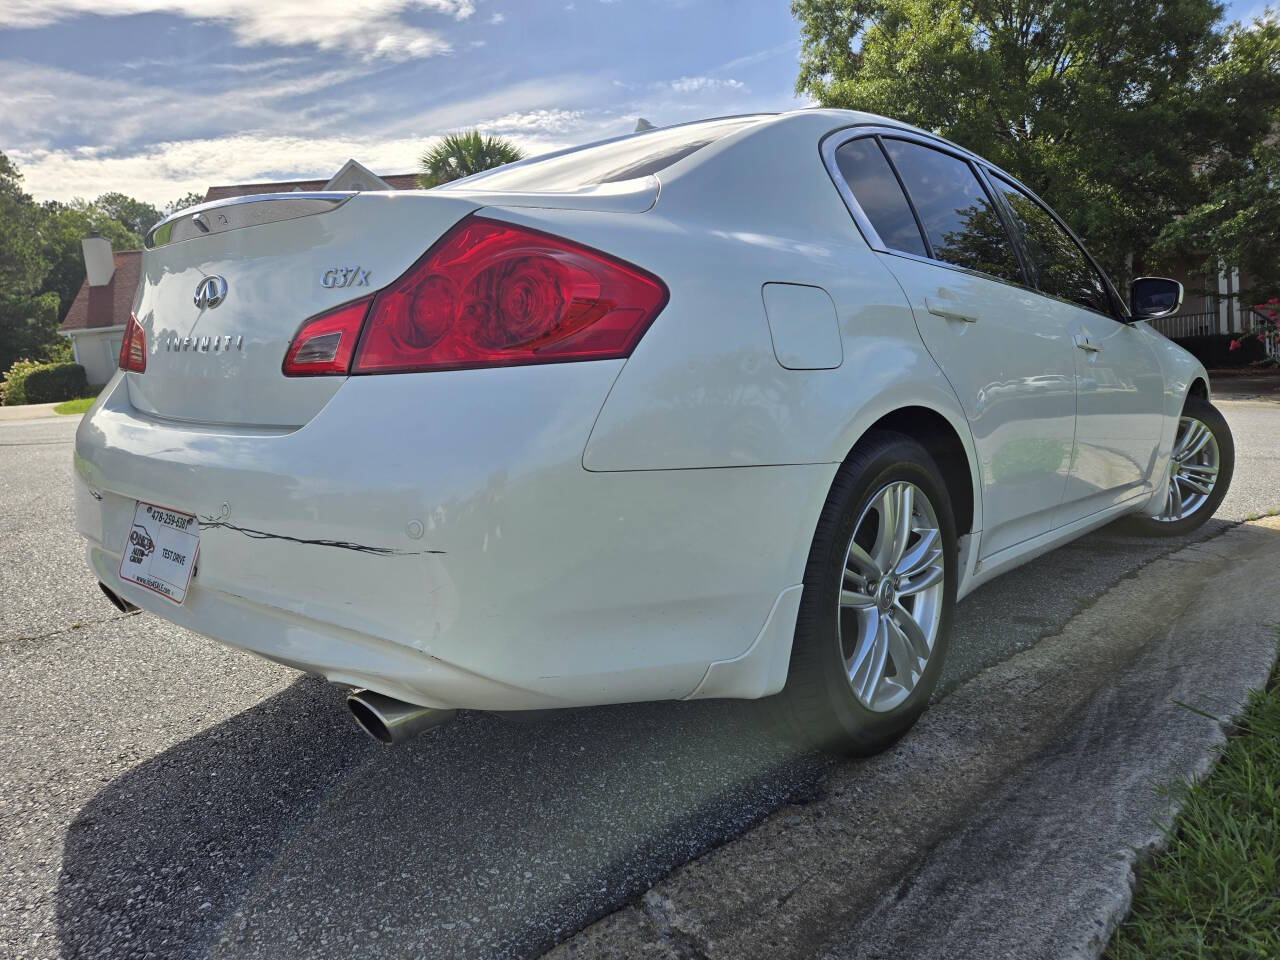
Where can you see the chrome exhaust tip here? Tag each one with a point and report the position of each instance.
(393, 721)
(117, 601)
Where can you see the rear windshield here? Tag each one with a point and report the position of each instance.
(625, 159)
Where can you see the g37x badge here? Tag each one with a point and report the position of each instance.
(345, 277)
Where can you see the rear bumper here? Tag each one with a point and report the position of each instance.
(534, 583)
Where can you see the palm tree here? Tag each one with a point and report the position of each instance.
(462, 154)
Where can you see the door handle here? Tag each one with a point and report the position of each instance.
(1087, 345)
(948, 311)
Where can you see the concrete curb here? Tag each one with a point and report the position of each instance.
(1010, 821)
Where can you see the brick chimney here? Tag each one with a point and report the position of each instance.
(99, 262)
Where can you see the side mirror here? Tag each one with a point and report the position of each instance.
(1151, 298)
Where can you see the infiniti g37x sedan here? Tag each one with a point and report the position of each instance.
(737, 408)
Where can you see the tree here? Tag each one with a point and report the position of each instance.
(28, 319)
(462, 154)
(21, 265)
(63, 227)
(42, 260)
(1237, 217)
(1108, 111)
(136, 216)
(184, 201)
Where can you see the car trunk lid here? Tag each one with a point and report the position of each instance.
(225, 287)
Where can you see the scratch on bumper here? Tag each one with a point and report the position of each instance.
(212, 523)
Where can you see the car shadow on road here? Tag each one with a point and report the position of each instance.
(285, 826)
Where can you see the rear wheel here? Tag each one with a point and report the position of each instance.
(1198, 475)
(879, 591)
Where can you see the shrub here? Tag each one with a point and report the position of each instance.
(11, 391)
(29, 381)
(55, 382)
(1214, 350)
(59, 351)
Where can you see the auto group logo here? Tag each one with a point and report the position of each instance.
(141, 545)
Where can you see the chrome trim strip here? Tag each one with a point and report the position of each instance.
(828, 147)
(220, 216)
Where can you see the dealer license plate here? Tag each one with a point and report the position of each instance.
(160, 550)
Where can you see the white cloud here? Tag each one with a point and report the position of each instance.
(291, 113)
(699, 84)
(113, 152)
(160, 172)
(166, 170)
(251, 66)
(790, 47)
(44, 105)
(535, 121)
(458, 114)
(367, 28)
(498, 18)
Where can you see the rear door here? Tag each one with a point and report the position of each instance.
(1119, 384)
(1009, 359)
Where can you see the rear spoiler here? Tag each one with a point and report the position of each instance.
(236, 212)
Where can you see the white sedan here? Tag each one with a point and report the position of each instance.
(738, 408)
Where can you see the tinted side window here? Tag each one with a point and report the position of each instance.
(1061, 267)
(959, 218)
(864, 168)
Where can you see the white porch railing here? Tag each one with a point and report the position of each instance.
(1246, 321)
(1187, 325)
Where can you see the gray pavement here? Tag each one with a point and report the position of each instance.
(1254, 386)
(165, 796)
(989, 832)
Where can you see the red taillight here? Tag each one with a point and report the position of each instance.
(133, 350)
(325, 343)
(494, 294)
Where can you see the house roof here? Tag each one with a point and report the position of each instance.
(396, 181)
(109, 304)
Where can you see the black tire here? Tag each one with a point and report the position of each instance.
(1207, 414)
(818, 707)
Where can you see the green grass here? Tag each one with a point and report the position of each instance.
(75, 406)
(1215, 891)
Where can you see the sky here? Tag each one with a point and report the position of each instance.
(158, 98)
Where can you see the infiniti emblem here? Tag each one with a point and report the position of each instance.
(210, 292)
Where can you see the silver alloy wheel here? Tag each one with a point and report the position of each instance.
(890, 602)
(1193, 470)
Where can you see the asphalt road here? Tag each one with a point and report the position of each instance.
(164, 796)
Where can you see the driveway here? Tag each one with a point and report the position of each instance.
(166, 796)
